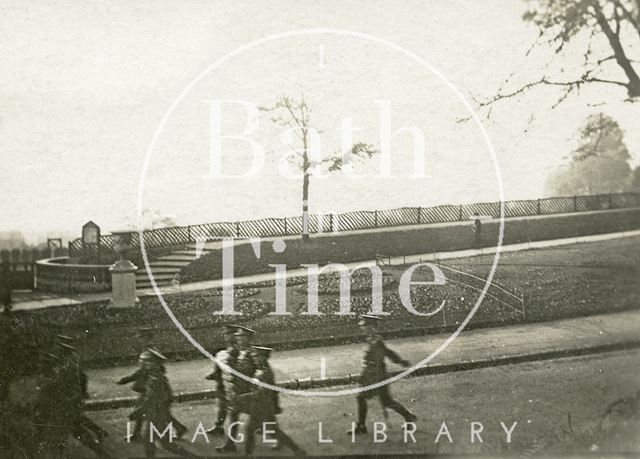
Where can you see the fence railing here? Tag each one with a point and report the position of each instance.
(157, 239)
(17, 266)
(17, 275)
(28, 255)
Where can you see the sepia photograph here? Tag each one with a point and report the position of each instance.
(320, 228)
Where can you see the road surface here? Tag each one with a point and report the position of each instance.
(545, 398)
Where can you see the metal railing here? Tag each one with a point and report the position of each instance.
(176, 236)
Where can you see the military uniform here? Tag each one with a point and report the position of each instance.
(51, 411)
(157, 399)
(139, 378)
(374, 371)
(72, 371)
(235, 386)
(155, 407)
(227, 357)
(74, 380)
(246, 366)
(374, 368)
(263, 406)
(73, 383)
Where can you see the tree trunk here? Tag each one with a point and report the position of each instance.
(305, 190)
(305, 207)
(633, 86)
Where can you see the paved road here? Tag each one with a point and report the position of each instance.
(540, 396)
(345, 359)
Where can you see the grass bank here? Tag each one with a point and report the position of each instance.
(410, 240)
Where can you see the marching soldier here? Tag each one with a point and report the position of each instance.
(139, 380)
(374, 371)
(235, 386)
(228, 357)
(49, 412)
(73, 384)
(71, 364)
(75, 381)
(155, 406)
(264, 406)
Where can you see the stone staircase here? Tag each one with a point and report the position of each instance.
(167, 267)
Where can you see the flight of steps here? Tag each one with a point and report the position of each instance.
(167, 267)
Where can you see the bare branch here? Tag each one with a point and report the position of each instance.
(616, 18)
(287, 105)
(534, 44)
(559, 22)
(587, 52)
(575, 84)
(563, 96)
(608, 58)
(599, 139)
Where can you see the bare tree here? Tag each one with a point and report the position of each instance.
(613, 24)
(296, 115)
(153, 219)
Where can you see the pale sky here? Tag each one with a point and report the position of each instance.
(85, 86)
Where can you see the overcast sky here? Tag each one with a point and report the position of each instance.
(85, 85)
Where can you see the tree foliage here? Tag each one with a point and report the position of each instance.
(599, 164)
(153, 219)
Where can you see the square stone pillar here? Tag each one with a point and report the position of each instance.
(123, 284)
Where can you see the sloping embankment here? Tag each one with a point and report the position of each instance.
(360, 246)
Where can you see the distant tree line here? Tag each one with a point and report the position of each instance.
(599, 164)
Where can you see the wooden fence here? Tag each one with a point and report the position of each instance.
(156, 241)
(17, 266)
